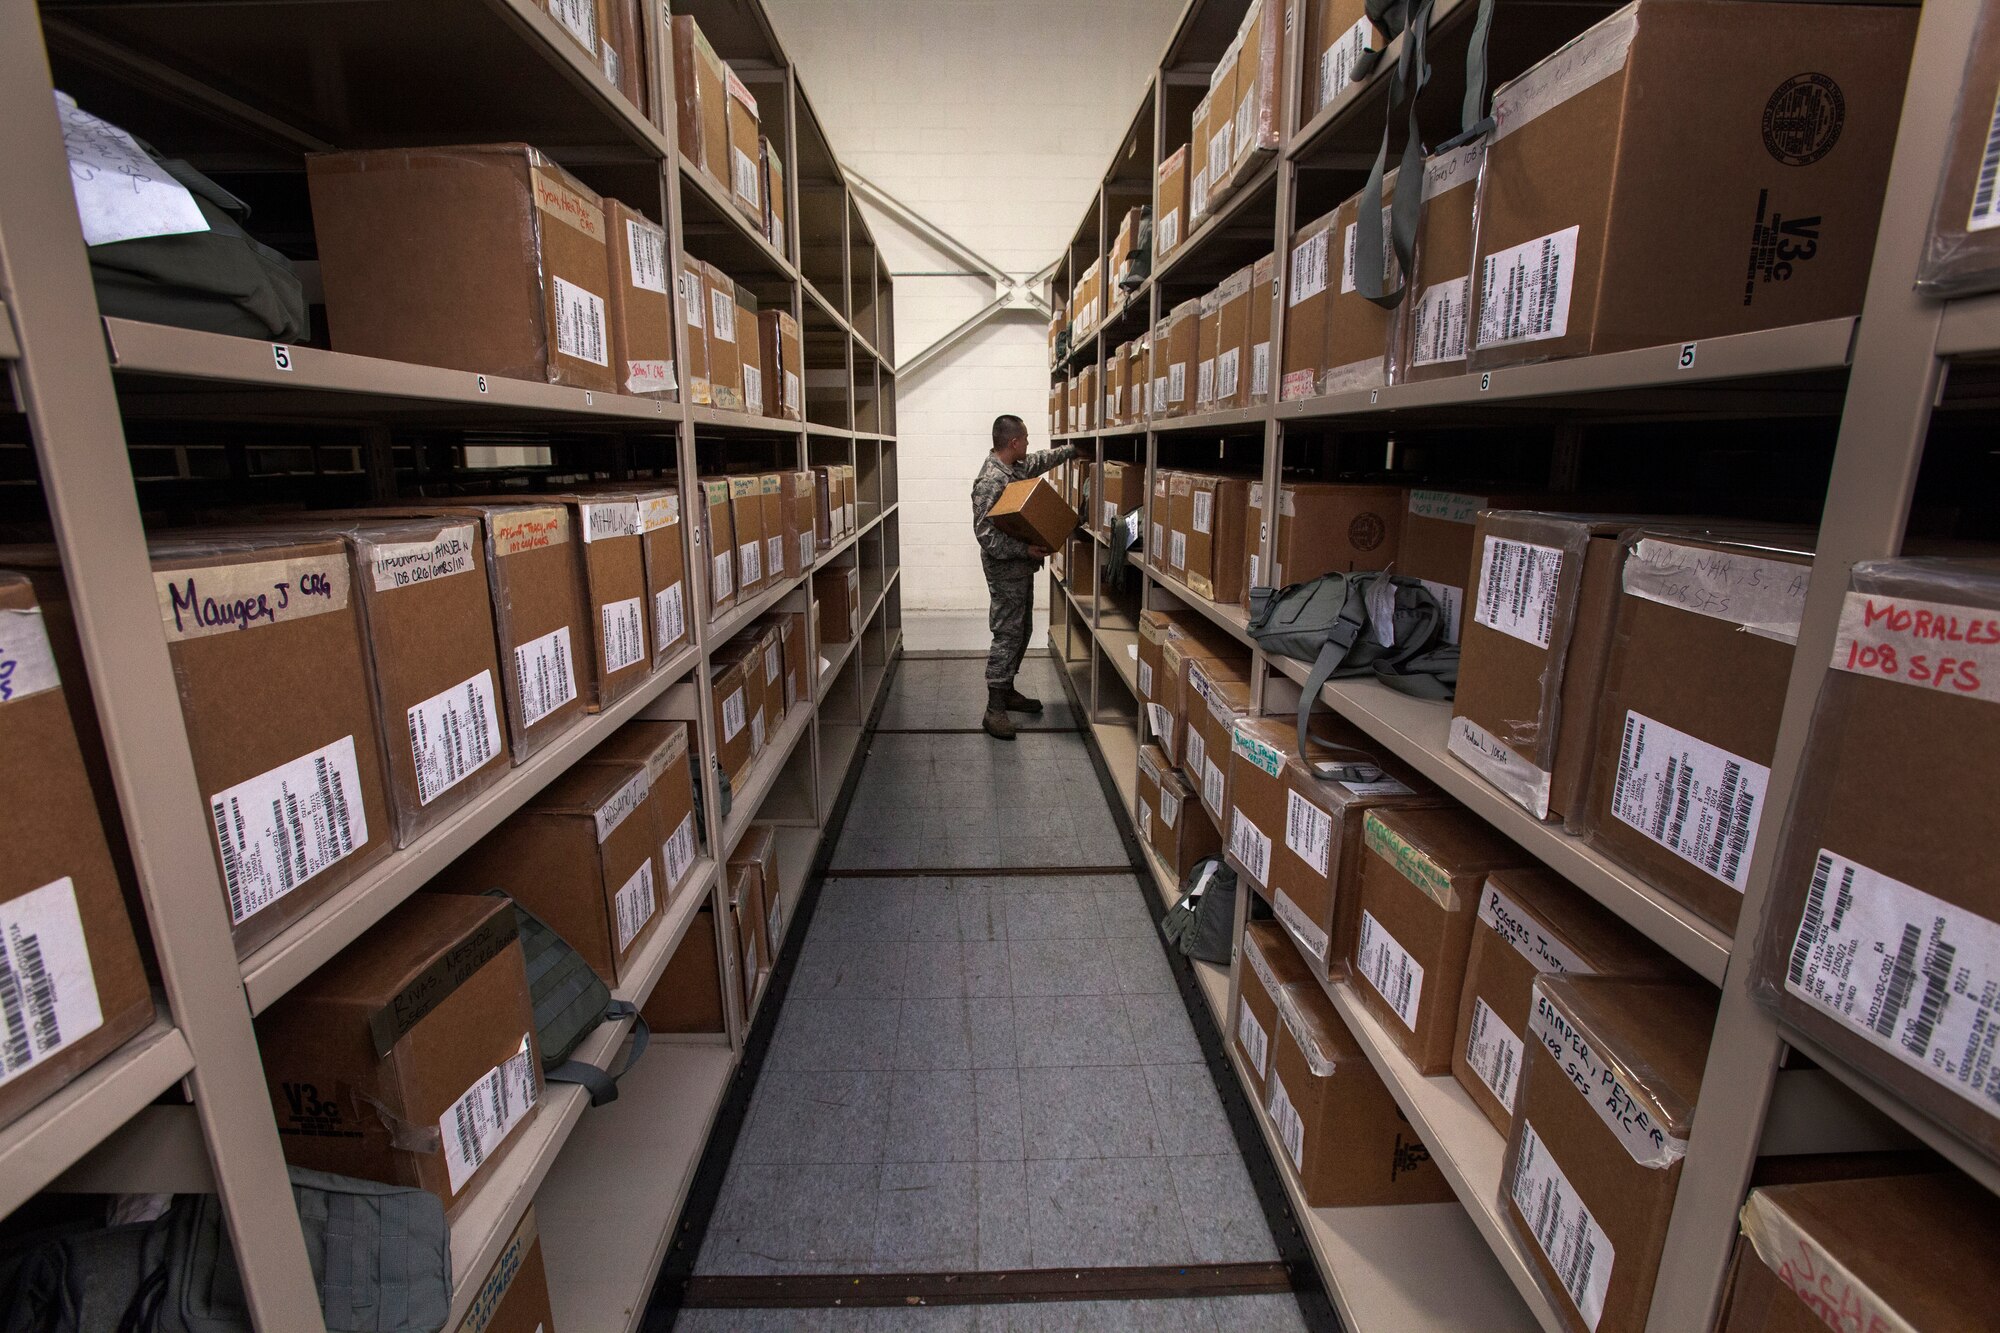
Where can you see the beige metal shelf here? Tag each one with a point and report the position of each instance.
(1226, 616)
(10, 348)
(716, 418)
(1119, 743)
(1970, 327)
(1121, 648)
(741, 236)
(1232, 419)
(740, 615)
(762, 774)
(834, 662)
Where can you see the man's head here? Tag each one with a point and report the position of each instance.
(1010, 439)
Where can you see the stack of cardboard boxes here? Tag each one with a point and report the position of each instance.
(740, 358)
(718, 127)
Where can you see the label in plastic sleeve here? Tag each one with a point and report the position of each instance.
(722, 575)
(1546, 953)
(1260, 369)
(1494, 1052)
(691, 301)
(1177, 382)
(722, 308)
(1605, 1086)
(1162, 723)
(1396, 976)
(48, 993)
(1177, 550)
(677, 852)
(1255, 1041)
(1569, 1237)
(732, 715)
(1518, 779)
(547, 675)
(27, 665)
(1517, 589)
(1285, 1119)
(1309, 270)
(580, 18)
(1985, 208)
(1248, 845)
(222, 599)
(1349, 244)
(1452, 600)
(634, 904)
(624, 634)
(480, 1120)
(1170, 808)
(528, 530)
(1212, 791)
(1145, 679)
(1298, 925)
(1168, 234)
(453, 735)
(750, 558)
(1931, 645)
(621, 805)
(1205, 382)
(646, 254)
(1439, 334)
(1695, 799)
(1337, 62)
(757, 733)
(121, 193)
(1764, 596)
(395, 565)
(774, 663)
(1524, 291)
(580, 329)
(743, 174)
(1159, 538)
(1204, 511)
(1912, 974)
(1308, 831)
(753, 387)
(281, 828)
(669, 617)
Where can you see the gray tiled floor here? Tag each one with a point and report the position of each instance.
(1222, 1314)
(950, 692)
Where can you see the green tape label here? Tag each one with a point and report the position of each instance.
(1412, 864)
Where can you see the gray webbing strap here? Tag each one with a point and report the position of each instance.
(1406, 85)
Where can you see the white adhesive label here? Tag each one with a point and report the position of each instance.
(27, 665)
(1248, 845)
(774, 555)
(1308, 831)
(1569, 1237)
(480, 1120)
(1439, 334)
(1931, 645)
(1524, 291)
(677, 852)
(604, 520)
(669, 617)
(1516, 778)
(1309, 268)
(1177, 382)
(1910, 973)
(1159, 539)
(743, 177)
(624, 634)
(722, 575)
(1452, 600)
(1260, 369)
(691, 301)
(793, 389)
(1298, 925)
(1697, 800)
(1170, 808)
(1197, 747)
(1337, 62)
(753, 387)
(580, 18)
(1396, 976)
(650, 376)
(1605, 1086)
(1260, 965)
(1110, 513)
(1204, 511)
(122, 194)
(1517, 589)
(1764, 596)
(281, 828)
(580, 328)
(1145, 819)
(222, 599)
(750, 559)
(1177, 550)
(547, 675)
(1544, 951)
(395, 565)
(1213, 790)
(1145, 679)
(1285, 1119)
(48, 993)
(1494, 1052)
(732, 715)
(634, 904)
(453, 735)
(774, 663)
(805, 550)
(1168, 234)
(722, 309)
(1204, 392)
(1159, 394)
(646, 254)
(1256, 1042)
(1162, 723)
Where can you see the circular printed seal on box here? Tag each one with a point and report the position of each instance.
(1365, 533)
(1803, 119)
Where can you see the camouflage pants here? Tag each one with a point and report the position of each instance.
(1012, 620)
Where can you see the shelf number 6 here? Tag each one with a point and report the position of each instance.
(1687, 356)
(281, 357)
(481, 381)
(1485, 381)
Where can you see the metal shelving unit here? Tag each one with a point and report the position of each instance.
(1879, 377)
(229, 89)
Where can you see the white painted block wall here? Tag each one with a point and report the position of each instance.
(996, 122)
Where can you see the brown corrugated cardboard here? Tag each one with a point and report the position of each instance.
(662, 539)
(1120, 271)
(1337, 33)
(692, 297)
(750, 350)
(1124, 490)
(1437, 544)
(613, 565)
(759, 851)
(1156, 626)
(718, 533)
(1420, 895)
(1257, 329)
(826, 521)
(1323, 528)
(663, 749)
(1222, 659)
(1138, 381)
(69, 956)
(731, 687)
(798, 672)
(784, 365)
(1172, 508)
(1208, 337)
(849, 499)
(1270, 964)
(699, 81)
(1087, 399)
(1032, 511)
(768, 648)
(774, 194)
(625, 58)
(1171, 820)
(411, 1057)
(1182, 341)
(1306, 305)
(1358, 331)
(1529, 922)
(746, 906)
(1607, 1096)
(776, 518)
(642, 314)
(1637, 192)
(688, 997)
(802, 523)
(1232, 327)
(746, 176)
(837, 593)
(266, 640)
(746, 518)
(1170, 191)
(1217, 694)
(725, 354)
(1116, 367)
(1218, 509)
(1086, 303)
(510, 247)
(1431, 325)
(1959, 254)
(514, 1298)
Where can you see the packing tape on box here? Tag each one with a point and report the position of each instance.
(1318, 1058)
(1765, 597)
(1583, 64)
(1520, 781)
(1412, 863)
(1606, 1085)
(1828, 1287)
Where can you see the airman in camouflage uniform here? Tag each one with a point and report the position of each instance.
(1010, 565)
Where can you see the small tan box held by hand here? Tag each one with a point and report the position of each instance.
(1035, 513)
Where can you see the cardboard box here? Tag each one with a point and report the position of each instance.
(1323, 528)
(1232, 328)
(837, 593)
(746, 518)
(746, 906)
(700, 79)
(746, 176)
(1437, 544)
(514, 1298)
(411, 1057)
(730, 681)
(1138, 380)
(849, 498)
(1358, 332)
(1032, 512)
(1217, 184)
(1170, 193)
(1430, 340)
(688, 997)
(586, 22)
(1894, 1252)
(1217, 511)
(826, 522)
(1208, 331)
(1605, 224)
(769, 644)
(1959, 256)
(642, 315)
(1607, 1097)
(70, 947)
(1298, 838)
(1086, 302)
(268, 652)
(613, 566)
(1156, 626)
(1307, 302)
(1256, 73)
(797, 651)
(784, 365)
(725, 354)
(1690, 711)
(1115, 368)
(746, 649)
(1217, 697)
(664, 750)
(1344, 1136)
(1420, 894)
(1171, 820)
(624, 53)
(663, 541)
(1528, 923)
(1123, 490)
(759, 850)
(1337, 33)
(692, 298)
(511, 249)
(1257, 328)
(774, 194)
(718, 532)
(1182, 341)
(1086, 399)
(750, 350)
(1223, 659)
(775, 511)
(1123, 277)
(1270, 965)
(802, 523)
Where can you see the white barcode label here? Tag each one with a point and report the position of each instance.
(1168, 234)
(744, 177)
(1253, 571)
(1985, 208)
(677, 852)
(1524, 291)
(1145, 819)
(722, 306)
(1145, 680)
(1228, 373)
(27, 665)
(453, 735)
(1170, 808)
(753, 388)
(395, 565)
(1697, 800)
(732, 715)
(580, 323)
(281, 828)
(691, 301)
(669, 617)
(1159, 394)
(634, 904)
(1204, 391)
(624, 634)
(1517, 589)
(1177, 382)
(1298, 925)
(805, 551)
(1569, 1237)
(1204, 511)
(1163, 725)
(1452, 601)
(1177, 550)
(546, 674)
(1260, 369)
(750, 558)
(646, 254)
(1308, 832)
(1248, 845)
(48, 993)
(1220, 150)
(613, 66)
(792, 391)
(1337, 62)
(1914, 975)
(580, 18)
(722, 576)
(1285, 1119)
(1396, 976)
(1439, 333)
(1213, 791)
(774, 663)
(1110, 513)
(1308, 268)
(1494, 1051)
(1255, 1041)
(480, 1120)
(1197, 747)
(774, 555)
(757, 732)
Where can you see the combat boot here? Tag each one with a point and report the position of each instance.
(998, 725)
(1018, 702)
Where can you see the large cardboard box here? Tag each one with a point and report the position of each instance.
(1529, 923)
(663, 749)
(689, 996)
(642, 314)
(1323, 528)
(1270, 965)
(1181, 339)
(1338, 32)
(1959, 256)
(511, 249)
(70, 952)
(587, 22)
(1032, 511)
(1170, 819)
(798, 660)
(1343, 1133)
(663, 540)
(624, 52)
(411, 1057)
(1208, 340)
(718, 532)
(746, 175)
(849, 498)
(730, 677)
(746, 518)
(1636, 192)
(1159, 683)
(1306, 309)
(768, 656)
(784, 365)
(803, 501)
(1123, 489)
(776, 513)
(1256, 75)
(837, 593)
(612, 561)
(1217, 512)
(1170, 193)
(1298, 838)
(753, 947)
(1883, 903)
(1359, 332)
(1701, 655)
(1172, 508)
(1116, 367)
(514, 1298)
(1430, 340)
(725, 354)
(1594, 1160)
(275, 687)
(1232, 328)
(827, 520)
(774, 194)
(1420, 894)
(1437, 544)
(700, 80)
(1221, 659)
(691, 296)
(1257, 328)
(1087, 399)
(759, 850)
(750, 351)
(1217, 693)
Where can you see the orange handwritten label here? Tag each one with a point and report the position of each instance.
(519, 530)
(1931, 645)
(558, 200)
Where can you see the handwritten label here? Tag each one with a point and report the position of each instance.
(453, 735)
(555, 198)
(603, 520)
(1544, 952)
(1762, 595)
(517, 531)
(1265, 756)
(222, 599)
(1410, 862)
(1605, 1086)
(659, 511)
(122, 194)
(1697, 800)
(1516, 778)
(1446, 506)
(1930, 645)
(46, 982)
(623, 802)
(1829, 1288)
(1568, 1236)
(281, 828)
(404, 564)
(27, 666)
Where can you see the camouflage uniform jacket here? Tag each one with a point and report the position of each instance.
(1006, 557)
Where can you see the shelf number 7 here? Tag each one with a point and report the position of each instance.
(281, 357)
(1687, 356)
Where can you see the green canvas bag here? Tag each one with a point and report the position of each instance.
(571, 1001)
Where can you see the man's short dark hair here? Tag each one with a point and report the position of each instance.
(1007, 429)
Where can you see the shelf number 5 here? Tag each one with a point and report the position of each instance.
(281, 357)
(1687, 356)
